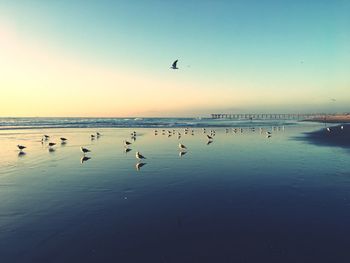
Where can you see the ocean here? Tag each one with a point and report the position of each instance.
(35, 123)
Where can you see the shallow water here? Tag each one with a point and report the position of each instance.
(242, 198)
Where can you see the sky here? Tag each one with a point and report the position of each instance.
(112, 58)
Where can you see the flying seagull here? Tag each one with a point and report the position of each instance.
(174, 65)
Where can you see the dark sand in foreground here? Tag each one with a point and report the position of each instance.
(336, 136)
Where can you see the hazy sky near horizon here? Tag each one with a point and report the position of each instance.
(112, 58)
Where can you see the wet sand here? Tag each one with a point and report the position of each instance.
(339, 118)
(242, 198)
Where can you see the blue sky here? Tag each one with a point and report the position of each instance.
(256, 55)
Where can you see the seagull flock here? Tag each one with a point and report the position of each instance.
(208, 134)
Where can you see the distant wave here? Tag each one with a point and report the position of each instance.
(44, 123)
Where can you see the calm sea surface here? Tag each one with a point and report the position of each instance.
(242, 198)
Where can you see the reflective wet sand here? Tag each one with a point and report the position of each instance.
(242, 198)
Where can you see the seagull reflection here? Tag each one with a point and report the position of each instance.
(139, 165)
(51, 150)
(126, 150)
(209, 142)
(21, 154)
(182, 153)
(209, 137)
(84, 159)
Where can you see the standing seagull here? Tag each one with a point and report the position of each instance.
(140, 156)
(84, 150)
(63, 139)
(174, 65)
(21, 147)
(127, 143)
(182, 147)
(51, 144)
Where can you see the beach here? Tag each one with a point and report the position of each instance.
(332, 118)
(284, 199)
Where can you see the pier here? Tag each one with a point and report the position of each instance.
(268, 116)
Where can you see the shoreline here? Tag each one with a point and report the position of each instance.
(338, 118)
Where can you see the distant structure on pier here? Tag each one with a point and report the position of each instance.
(268, 116)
